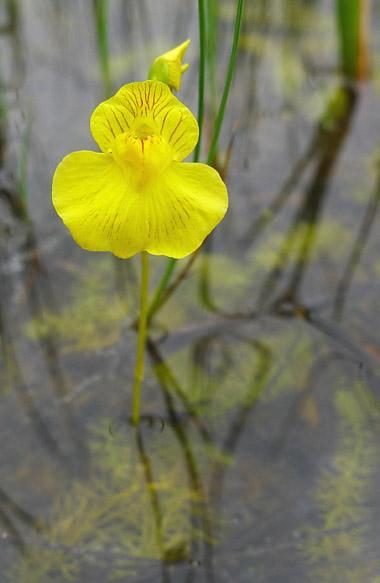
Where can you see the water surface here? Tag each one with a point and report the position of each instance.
(257, 457)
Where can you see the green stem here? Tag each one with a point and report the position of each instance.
(227, 83)
(141, 339)
(163, 284)
(202, 73)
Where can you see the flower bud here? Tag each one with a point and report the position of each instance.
(168, 68)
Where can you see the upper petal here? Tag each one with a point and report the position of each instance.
(92, 196)
(188, 202)
(151, 100)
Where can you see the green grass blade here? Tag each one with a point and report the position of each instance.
(227, 85)
(352, 28)
(101, 19)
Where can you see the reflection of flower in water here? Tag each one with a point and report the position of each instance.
(137, 194)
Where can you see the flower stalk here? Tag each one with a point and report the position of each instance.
(141, 338)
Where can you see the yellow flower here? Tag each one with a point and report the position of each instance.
(168, 67)
(136, 194)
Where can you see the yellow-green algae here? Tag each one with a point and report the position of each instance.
(336, 548)
(110, 515)
(93, 318)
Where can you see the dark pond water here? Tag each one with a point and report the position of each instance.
(258, 456)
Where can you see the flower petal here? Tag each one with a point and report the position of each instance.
(92, 196)
(154, 101)
(100, 206)
(188, 202)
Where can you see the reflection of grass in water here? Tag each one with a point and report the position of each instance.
(287, 65)
(303, 23)
(109, 518)
(3, 108)
(336, 547)
(227, 370)
(294, 43)
(91, 321)
(337, 108)
(296, 15)
(332, 239)
(293, 355)
(3, 116)
(234, 292)
(219, 374)
(231, 290)
(23, 186)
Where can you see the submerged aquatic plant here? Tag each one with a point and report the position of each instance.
(336, 542)
(137, 195)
